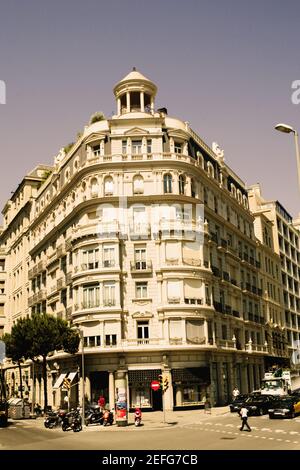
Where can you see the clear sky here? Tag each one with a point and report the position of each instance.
(226, 66)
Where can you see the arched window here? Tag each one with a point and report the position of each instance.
(193, 188)
(167, 183)
(94, 187)
(108, 186)
(181, 182)
(138, 184)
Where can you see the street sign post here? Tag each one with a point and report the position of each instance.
(155, 385)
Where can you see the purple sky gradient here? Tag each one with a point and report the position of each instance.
(224, 66)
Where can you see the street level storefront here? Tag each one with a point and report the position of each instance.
(140, 392)
(190, 386)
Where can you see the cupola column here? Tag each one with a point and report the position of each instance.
(119, 106)
(152, 104)
(142, 101)
(128, 101)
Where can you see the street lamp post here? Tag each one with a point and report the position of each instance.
(82, 373)
(287, 130)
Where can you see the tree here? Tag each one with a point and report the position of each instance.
(17, 344)
(38, 336)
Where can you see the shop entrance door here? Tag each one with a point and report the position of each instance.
(99, 386)
(156, 400)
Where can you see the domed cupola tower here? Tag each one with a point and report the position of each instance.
(135, 94)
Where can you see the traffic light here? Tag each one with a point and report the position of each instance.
(67, 383)
(160, 379)
(163, 382)
(166, 384)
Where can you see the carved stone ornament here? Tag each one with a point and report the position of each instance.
(217, 150)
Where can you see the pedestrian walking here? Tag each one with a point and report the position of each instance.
(244, 417)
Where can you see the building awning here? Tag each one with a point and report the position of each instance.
(71, 376)
(59, 381)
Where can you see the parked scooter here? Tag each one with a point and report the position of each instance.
(93, 416)
(72, 420)
(137, 417)
(54, 419)
(108, 418)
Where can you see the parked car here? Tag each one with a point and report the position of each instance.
(285, 407)
(237, 403)
(260, 404)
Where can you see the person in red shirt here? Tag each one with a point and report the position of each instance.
(101, 402)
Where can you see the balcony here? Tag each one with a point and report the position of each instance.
(61, 250)
(109, 303)
(69, 313)
(236, 313)
(61, 283)
(139, 267)
(103, 229)
(233, 281)
(227, 343)
(254, 289)
(109, 263)
(228, 309)
(41, 266)
(174, 300)
(226, 276)
(216, 271)
(214, 237)
(218, 307)
(223, 243)
(139, 231)
(85, 305)
(142, 342)
(193, 301)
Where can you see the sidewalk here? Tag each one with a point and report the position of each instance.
(150, 420)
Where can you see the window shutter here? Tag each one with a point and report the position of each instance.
(195, 331)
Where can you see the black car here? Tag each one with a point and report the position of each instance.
(285, 407)
(260, 404)
(237, 403)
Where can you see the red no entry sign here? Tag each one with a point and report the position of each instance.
(155, 385)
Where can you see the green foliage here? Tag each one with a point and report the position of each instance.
(38, 336)
(98, 116)
(68, 147)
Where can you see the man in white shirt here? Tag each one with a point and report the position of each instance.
(244, 417)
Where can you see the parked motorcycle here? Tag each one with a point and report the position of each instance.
(108, 418)
(72, 420)
(93, 416)
(54, 419)
(137, 417)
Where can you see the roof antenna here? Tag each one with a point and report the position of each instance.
(134, 69)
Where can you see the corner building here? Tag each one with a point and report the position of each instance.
(148, 295)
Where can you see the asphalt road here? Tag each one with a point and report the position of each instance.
(209, 433)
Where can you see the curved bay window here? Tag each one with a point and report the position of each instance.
(167, 183)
